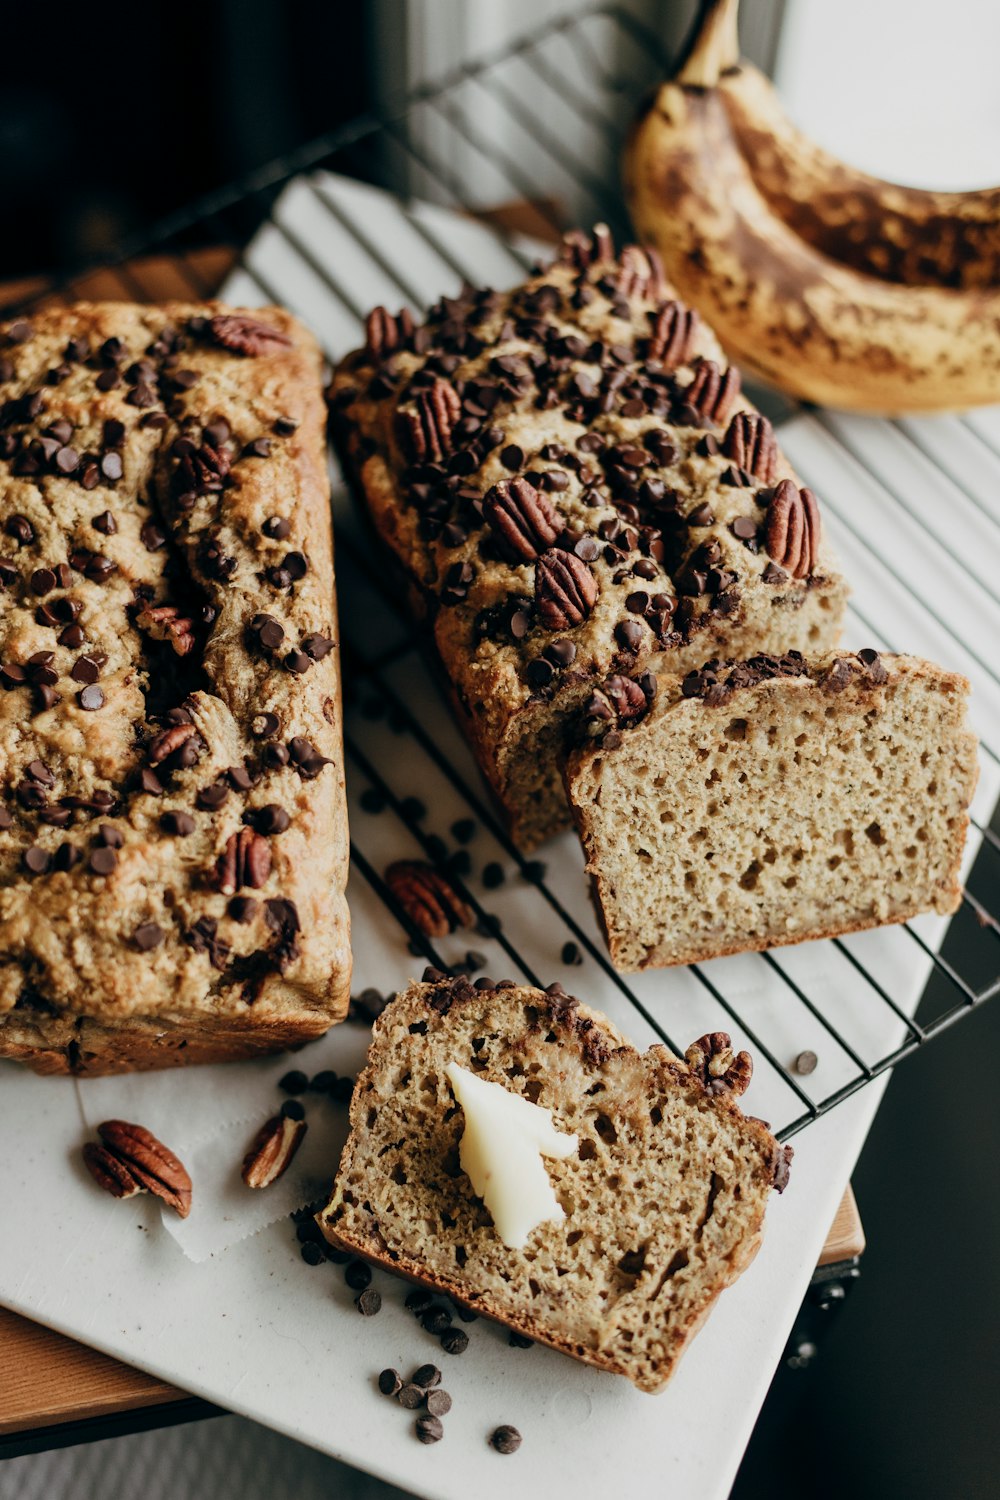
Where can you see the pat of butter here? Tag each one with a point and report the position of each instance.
(503, 1143)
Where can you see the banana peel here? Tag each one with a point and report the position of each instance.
(832, 285)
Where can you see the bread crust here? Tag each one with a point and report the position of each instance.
(583, 1031)
(179, 530)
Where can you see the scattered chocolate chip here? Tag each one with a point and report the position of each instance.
(358, 1275)
(36, 861)
(429, 1429)
(242, 909)
(179, 823)
(410, 1396)
(295, 1082)
(389, 1383)
(102, 861)
(438, 1403)
(519, 1340)
(805, 1063)
(435, 1320)
(426, 1377)
(277, 528)
(369, 1303)
(493, 875)
(292, 1110)
(454, 1341)
(505, 1439)
(419, 1299)
(312, 1253)
(150, 935)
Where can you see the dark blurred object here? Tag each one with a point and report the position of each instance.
(112, 115)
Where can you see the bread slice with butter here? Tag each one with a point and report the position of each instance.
(663, 1197)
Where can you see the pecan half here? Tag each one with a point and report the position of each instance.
(384, 333)
(749, 442)
(164, 622)
(522, 517)
(272, 1150)
(712, 391)
(245, 861)
(169, 740)
(641, 273)
(132, 1154)
(428, 429)
(711, 1058)
(581, 250)
(108, 1172)
(672, 334)
(565, 589)
(427, 897)
(792, 529)
(627, 697)
(247, 336)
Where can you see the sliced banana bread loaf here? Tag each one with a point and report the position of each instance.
(574, 490)
(773, 801)
(664, 1197)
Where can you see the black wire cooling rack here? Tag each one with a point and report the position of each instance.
(543, 124)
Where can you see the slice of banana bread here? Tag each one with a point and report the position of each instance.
(773, 801)
(664, 1197)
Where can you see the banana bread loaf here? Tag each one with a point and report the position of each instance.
(576, 493)
(773, 801)
(173, 841)
(664, 1197)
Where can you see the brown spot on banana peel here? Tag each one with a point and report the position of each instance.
(819, 330)
(899, 234)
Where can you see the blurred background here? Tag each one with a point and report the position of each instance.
(112, 117)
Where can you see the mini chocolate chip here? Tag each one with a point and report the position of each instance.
(103, 861)
(271, 819)
(628, 634)
(179, 823)
(312, 1253)
(512, 457)
(105, 523)
(702, 515)
(805, 1063)
(454, 1341)
(389, 1383)
(297, 662)
(426, 1376)
(292, 1110)
(420, 1299)
(149, 935)
(211, 797)
(90, 698)
(295, 565)
(369, 1303)
(20, 529)
(410, 1397)
(358, 1275)
(435, 1320)
(438, 1403)
(277, 527)
(36, 861)
(263, 726)
(259, 448)
(505, 1439)
(242, 909)
(85, 669)
(430, 1429)
(295, 1082)
(284, 426)
(152, 536)
(519, 1340)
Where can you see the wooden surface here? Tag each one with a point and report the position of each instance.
(846, 1239)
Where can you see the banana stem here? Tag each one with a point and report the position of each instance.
(714, 46)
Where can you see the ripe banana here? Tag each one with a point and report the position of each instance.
(834, 286)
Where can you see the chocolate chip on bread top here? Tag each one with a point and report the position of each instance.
(172, 829)
(578, 494)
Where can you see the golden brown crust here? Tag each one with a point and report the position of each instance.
(577, 520)
(194, 907)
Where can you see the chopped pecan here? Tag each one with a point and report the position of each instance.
(641, 273)
(792, 529)
(131, 1154)
(749, 442)
(428, 898)
(711, 1058)
(168, 740)
(245, 861)
(272, 1150)
(782, 1166)
(428, 429)
(385, 332)
(202, 469)
(522, 517)
(241, 334)
(712, 391)
(581, 250)
(164, 622)
(672, 334)
(565, 589)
